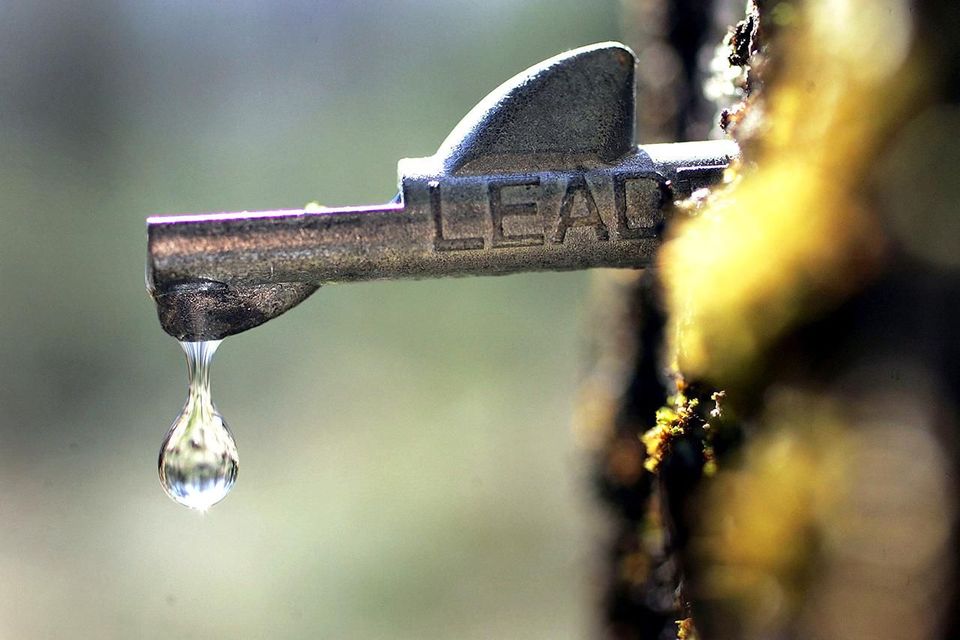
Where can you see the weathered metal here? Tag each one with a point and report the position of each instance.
(544, 174)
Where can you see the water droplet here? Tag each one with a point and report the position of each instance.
(198, 458)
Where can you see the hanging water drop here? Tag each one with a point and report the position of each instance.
(198, 458)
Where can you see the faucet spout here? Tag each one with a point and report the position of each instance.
(205, 310)
(543, 175)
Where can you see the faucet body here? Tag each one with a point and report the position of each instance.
(544, 174)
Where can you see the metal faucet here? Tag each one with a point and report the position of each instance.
(543, 174)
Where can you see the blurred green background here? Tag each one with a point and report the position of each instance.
(407, 469)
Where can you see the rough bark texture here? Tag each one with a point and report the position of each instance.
(627, 382)
(818, 291)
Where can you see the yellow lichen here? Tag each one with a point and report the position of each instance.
(833, 523)
(686, 630)
(760, 518)
(792, 235)
(716, 416)
(671, 422)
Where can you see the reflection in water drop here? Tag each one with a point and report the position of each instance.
(198, 458)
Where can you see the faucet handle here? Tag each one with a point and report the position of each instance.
(575, 107)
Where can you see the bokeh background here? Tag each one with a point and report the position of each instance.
(407, 467)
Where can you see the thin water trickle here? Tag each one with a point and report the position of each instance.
(198, 459)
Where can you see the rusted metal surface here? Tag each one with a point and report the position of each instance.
(544, 174)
